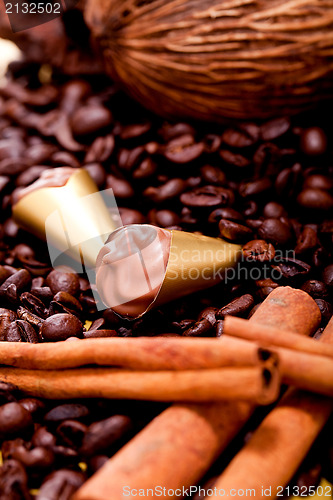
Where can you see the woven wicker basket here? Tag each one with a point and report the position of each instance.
(211, 59)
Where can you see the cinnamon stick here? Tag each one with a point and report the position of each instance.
(244, 329)
(179, 446)
(135, 353)
(259, 384)
(272, 456)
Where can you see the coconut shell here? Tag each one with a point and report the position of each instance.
(212, 59)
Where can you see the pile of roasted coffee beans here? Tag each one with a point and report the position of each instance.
(268, 186)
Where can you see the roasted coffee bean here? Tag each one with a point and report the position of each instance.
(219, 327)
(183, 325)
(292, 268)
(60, 158)
(35, 460)
(237, 307)
(30, 175)
(43, 293)
(315, 199)
(225, 213)
(131, 216)
(317, 289)
(6, 318)
(96, 462)
(96, 172)
(21, 279)
(274, 210)
(234, 231)
(100, 151)
(234, 159)
(208, 313)
(21, 331)
(14, 420)
(242, 137)
(258, 250)
(274, 128)
(213, 175)
(60, 327)
(60, 281)
(328, 275)
(38, 154)
(104, 434)
(33, 405)
(42, 437)
(255, 188)
(318, 181)
(208, 196)
(250, 208)
(34, 305)
(72, 93)
(313, 141)
(68, 411)
(167, 191)
(183, 149)
(61, 484)
(201, 327)
(121, 187)
(29, 317)
(4, 274)
(163, 218)
(71, 432)
(171, 130)
(8, 392)
(69, 301)
(326, 310)
(306, 241)
(145, 169)
(13, 481)
(275, 231)
(265, 287)
(90, 119)
(134, 130)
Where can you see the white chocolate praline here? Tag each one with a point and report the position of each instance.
(52, 177)
(131, 266)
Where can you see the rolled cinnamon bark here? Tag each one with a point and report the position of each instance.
(272, 456)
(243, 329)
(258, 384)
(179, 446)
(136, 353)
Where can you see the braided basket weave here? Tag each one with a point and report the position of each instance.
(211, 59)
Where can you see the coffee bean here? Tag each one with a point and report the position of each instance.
(183, 149)
(122, 189)
(61, 484)
(29, 317)
(60, 281)
(306, 241)
(6, 318)
(225, 213)
(265, 287)
(234, 231)
(33, 405)
(21, 279)
(38, 154)
(317, 289)
(234, 159)
(90, 119)
(328, 275)
(96, 172)
(209, 313)
(14, 420)
(313, 141)
(34, 304)
(101, 435)
(72, 93)
(60, 158)
(315, 199)
(275, 231)
(60, 327)
(240, 138)
(237, 307)
(208, 196)
(68, 411)
(21, 331)
(71, 432)
(201, 327)
(131, 216)
(42, 437)
(258, 250)
(69, 301)
(164, 218)
(13, 481)
(100, 150)
(167, 191)
(292, 268)
(326, 310)
(274, 210)
(274, 128)
(213, 175)
(317, 181)
(96, 462)
(255, 188)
